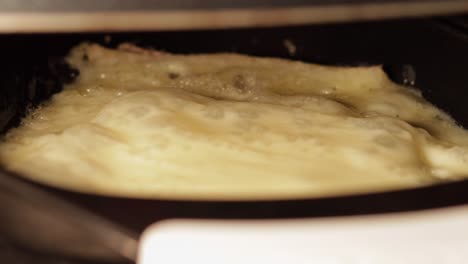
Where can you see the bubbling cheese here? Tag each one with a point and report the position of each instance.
(145, 124)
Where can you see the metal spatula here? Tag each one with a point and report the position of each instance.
(42, 222)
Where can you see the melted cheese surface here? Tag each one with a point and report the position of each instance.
(145, 124)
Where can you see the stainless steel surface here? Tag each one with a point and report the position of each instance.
(124, 15)
(134, 5)
(40, 221)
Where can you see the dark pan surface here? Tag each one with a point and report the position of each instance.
(32, 69)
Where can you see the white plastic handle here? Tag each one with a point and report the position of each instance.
(433, 236)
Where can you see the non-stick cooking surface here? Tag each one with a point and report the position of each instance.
(32, 70)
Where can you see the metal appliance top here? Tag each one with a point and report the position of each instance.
(144, 15)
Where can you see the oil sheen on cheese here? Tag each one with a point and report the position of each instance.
(145, 124)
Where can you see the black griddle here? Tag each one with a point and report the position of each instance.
(436, 50)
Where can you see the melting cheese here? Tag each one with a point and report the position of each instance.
(145, 124)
